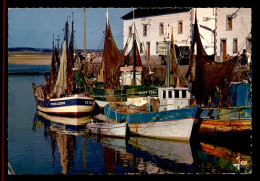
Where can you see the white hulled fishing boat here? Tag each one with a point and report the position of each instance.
(58, 95)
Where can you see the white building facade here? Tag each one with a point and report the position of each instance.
(232, 27)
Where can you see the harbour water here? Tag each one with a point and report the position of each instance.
(47, 145)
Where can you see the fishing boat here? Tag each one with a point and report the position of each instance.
(58, 95)
(230, 120)
(226, 105)
(168, 117)
(107, 129)
(113, 84)
(168, 123)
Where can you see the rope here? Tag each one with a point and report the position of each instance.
(152, 123)
(179, 58)
(102, 40)
(180, 69)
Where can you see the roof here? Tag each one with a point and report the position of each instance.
(141, 12)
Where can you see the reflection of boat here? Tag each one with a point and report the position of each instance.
(116, 144)
(62, 133)
(63, 124)
(59, 95)
(177, 151)
(107, 129)
(66, 120)
(222, 156)
(167, 155)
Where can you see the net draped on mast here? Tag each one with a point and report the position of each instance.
(206, 74)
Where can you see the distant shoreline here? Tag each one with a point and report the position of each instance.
(29, 58)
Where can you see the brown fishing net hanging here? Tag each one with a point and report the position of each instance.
(111, 61)
(206, 74)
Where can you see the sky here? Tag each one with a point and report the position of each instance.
(34, 27)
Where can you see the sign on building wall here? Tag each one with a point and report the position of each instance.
(162, 48)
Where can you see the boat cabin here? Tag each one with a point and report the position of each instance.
(126, 77)
(173, 98)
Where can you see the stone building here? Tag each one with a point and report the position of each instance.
(232, 27)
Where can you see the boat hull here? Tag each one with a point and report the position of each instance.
(74, 105)
(226, 120)
(172, 129)
(172, 124)
(108, 129)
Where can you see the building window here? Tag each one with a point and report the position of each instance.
(170, 94)
(176, 92)
(145, 30)
(161, 29)
(157, 47)
(141, 48)
(249, 45)
(148, 48)
(235, 45)
(229, 23)
(130, 31)
(180, 27)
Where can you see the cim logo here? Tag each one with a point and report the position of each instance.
(240, 163)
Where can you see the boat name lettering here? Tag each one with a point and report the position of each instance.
(88, 102)
(57, 103)
(148, 92)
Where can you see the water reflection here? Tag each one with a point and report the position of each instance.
(161, 156)
(67, 125)
(219, 159)
(51, 145)
(116, 157)
(75, 151)
(62, 132)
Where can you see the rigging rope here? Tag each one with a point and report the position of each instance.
(180, 69)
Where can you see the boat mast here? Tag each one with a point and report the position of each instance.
(134, 53)
(107, 16)
(58, 40)
(66, 37)
(53, 43)
(215, 35)
(84, 29)
(72, 41)
(168, 57)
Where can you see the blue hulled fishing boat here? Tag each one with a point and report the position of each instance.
(170, 116)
